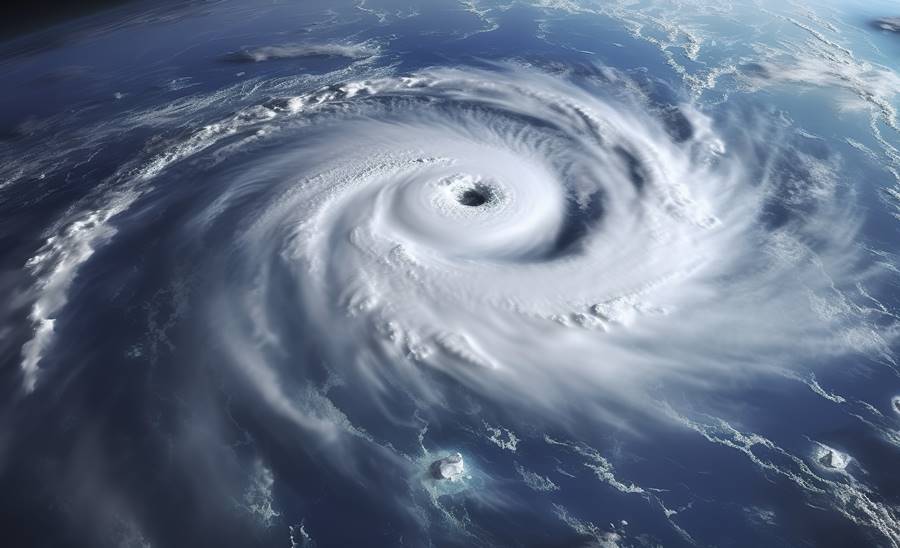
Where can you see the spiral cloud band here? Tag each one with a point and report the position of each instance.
(511, 229)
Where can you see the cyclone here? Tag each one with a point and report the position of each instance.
(435, 237)
(465, 300)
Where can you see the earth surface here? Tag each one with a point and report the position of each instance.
(545, 273)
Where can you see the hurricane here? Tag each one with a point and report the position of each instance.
(430, 232)
(531, 299)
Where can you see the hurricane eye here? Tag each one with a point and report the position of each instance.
(472, 198)
(472, 193)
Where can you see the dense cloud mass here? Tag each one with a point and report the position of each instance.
(888, 23)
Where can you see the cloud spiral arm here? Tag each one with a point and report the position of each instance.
(530, 237)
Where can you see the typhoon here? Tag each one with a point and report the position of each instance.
(347, 288)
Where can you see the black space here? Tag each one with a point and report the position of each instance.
(17, 18)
